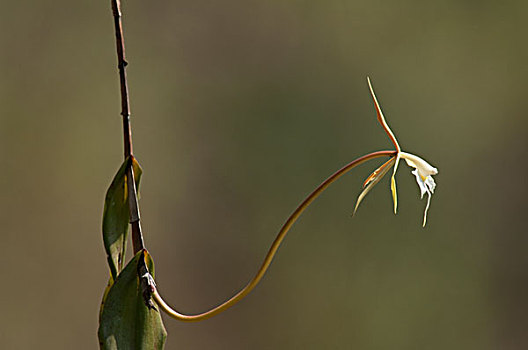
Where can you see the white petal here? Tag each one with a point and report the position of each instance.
(425, 169)
(421, 183)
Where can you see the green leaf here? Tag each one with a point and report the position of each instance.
(116, 216)
(126, 322)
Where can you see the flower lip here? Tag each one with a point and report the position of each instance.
(424, 177)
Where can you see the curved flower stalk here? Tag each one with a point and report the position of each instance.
(422, 170)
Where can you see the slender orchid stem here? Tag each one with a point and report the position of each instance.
(274, 246)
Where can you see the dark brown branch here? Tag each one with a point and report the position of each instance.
(137, 237)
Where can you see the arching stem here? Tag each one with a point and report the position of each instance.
(274, 246)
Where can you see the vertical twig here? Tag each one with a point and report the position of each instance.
(137, 237)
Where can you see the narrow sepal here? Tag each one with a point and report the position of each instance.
(373, 179)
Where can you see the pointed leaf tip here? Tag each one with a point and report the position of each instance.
(126, 322)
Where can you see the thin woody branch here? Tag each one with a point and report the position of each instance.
(137, 237)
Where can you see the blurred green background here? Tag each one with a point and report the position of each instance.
(239, 109)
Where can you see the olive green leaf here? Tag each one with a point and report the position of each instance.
(126, 322)
(116, 216)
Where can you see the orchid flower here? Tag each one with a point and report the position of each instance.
(422, 170)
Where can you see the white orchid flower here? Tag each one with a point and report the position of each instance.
(423, 171)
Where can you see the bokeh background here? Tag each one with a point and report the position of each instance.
(239, 109)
